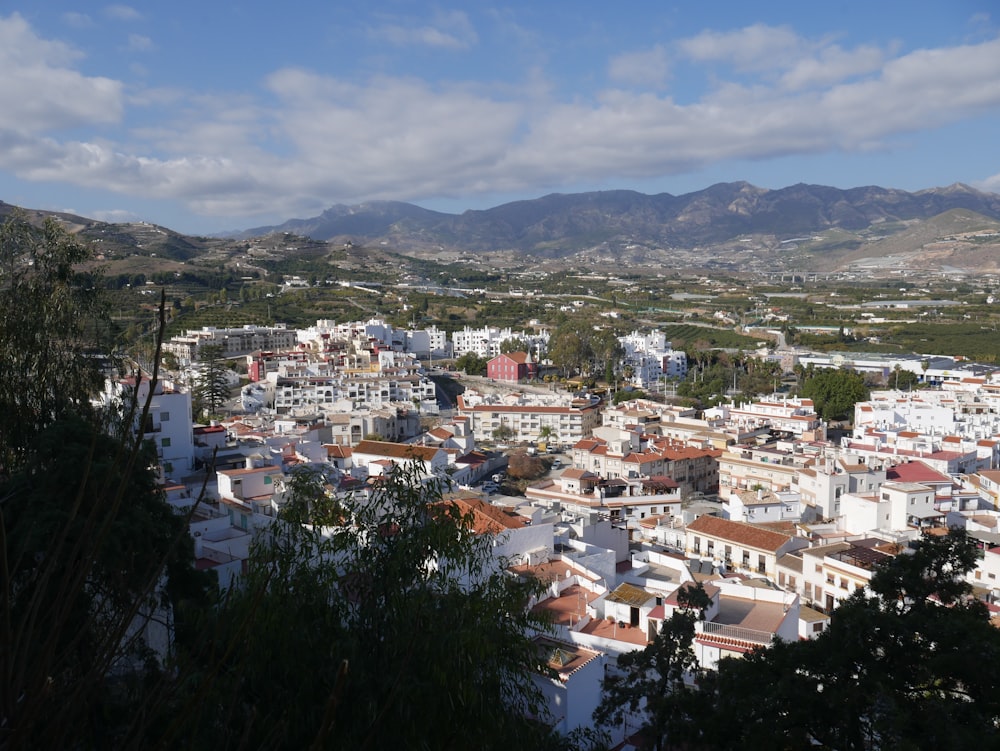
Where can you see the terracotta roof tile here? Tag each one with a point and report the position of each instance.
(749, 535)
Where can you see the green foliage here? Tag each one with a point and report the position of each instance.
(53, 323)
(513, 345)
(393, 628)
(653, 679)
(503, 433)
(211, 389)
(834, 392)
(86, 539)
(472, 364)
(627, 395)
(903, 380)
(911, 665)
(576, 347)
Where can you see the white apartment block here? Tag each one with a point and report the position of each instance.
(525, 415)
(312, 392)
(652, 357)
(900, 508)
(235, 341)
(737, 545)
(429, 342)
(822, 485)
(792, 415)
(168, 424)
(485, 342)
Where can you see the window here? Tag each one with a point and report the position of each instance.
(164, 417)
(697, 545)
(165, 443)
(167, 468)
(817, 627)
(819, 568)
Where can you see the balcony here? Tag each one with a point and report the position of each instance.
(726, 631)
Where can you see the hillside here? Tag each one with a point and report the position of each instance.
(735, 227)
(808, 227)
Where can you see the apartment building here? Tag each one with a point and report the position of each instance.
(738, 545)
(523, 417)
(233, 341)
(168, 424)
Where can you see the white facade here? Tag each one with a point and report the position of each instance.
(168, 425)
(485, 342)
(652, 358)
(235, 341)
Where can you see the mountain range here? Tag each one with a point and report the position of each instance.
(802, 226)
(811, 227)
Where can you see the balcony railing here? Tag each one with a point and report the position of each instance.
(735, 632)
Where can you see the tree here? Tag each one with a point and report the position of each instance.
(472, 364)
(54, 319)
(393, 626)
(569, 348)
(653, 680)
(503, 433)
(514, 344)
(522, 466)
(607, 351)
(547, 434)
(212, 385)
(903, 380)
(893, 670)
(93, 563)
(834, 392)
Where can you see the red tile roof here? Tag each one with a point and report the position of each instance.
(748, 535)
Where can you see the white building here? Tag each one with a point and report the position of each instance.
(485, 342)
(168, 424)
(234, 341)
(652, 357)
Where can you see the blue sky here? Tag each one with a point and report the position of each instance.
(221, 115)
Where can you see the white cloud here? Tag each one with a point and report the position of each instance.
(644, 67)
(77, 20)
(122, 12)
(757, 47)
(451, 30)
(139, 43)
(832, 64)
(990, 184)
(40, 92)
(309, 140)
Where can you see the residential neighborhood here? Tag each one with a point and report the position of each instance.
(640, 500)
